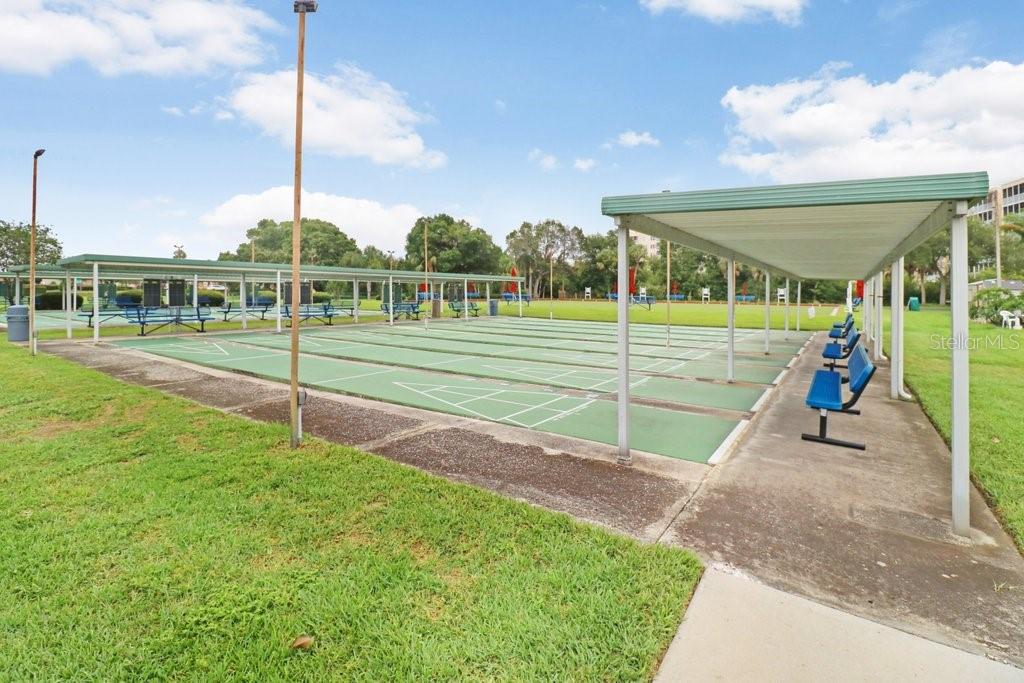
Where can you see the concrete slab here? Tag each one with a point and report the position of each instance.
(867, 532)
(738, 629)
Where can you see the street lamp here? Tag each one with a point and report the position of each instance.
(302, 8)
(32, 257)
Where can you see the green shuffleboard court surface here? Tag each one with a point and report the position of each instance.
(600, 380)
(458, 337)
(671, 433)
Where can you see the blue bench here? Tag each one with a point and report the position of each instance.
(745, 298)
(677, 297)
(426, 296)
(459, 307)
(156, 318)
(105, 315)
(856, 302)
(323, 312)
(647, 301)
(410, 309)
(512, 297)
(841, 331)
(261, 305)
(826, 395)
(837, 351)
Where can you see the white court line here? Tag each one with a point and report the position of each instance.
(564, 414)
(538, 407)
(365, 374)
(261, 357)
(725, 446)
(760, 402)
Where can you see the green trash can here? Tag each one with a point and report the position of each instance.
(914, 304)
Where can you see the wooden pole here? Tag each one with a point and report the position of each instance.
(297, 237)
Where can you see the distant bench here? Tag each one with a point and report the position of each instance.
(410, 309)
(156, 318)
(325, 313)
(512, 297)
(459, 307)
(261, 305)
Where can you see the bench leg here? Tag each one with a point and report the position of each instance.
(822, 435)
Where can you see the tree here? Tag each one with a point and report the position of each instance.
(322, 244)
(179, 251)
(453, 246)
(14, 244)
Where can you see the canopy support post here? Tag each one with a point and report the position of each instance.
(961, 446)
(668, 294)
(624, 456)
(242, 306)
(17, 290)
(277, 292)
(68, 303)
(786, 327)
(391, 300)
(95, 303)
(487, 286)
(355, 300)
(465, 300)
(767, 312)
(898, 343)
(731, 323)
(74, 294)
(798, 283)
(519, 290)
(879, 320)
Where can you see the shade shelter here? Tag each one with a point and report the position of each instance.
(96, 267)
(855, 230)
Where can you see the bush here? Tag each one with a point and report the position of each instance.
(52, 301)
(321, 297)
(988, 302)
(267, 294)
(134, 294)
(215, 297)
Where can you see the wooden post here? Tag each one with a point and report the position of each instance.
(296, 439)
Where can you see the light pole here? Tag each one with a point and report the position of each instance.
(32, 257)
(301, 7)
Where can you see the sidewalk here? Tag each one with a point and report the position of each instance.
(737, 629)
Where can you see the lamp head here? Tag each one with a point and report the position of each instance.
(305, 6)
(39, 153)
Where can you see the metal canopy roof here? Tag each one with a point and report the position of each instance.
(230, 271)
(837, 230)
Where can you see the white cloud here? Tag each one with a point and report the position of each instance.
(347, 114)
(367, 221)
(633, 139)
(173, 111)
(830, 127)
(584, 165)
(719, 11)
(548, 162)
(500, 106)
(897, 9)
(160, 37)
(947, 48)
(223, 115)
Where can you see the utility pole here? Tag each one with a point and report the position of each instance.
(301, 7)
(32, 257)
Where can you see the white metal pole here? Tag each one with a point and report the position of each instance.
(67, 303)
(95, 303)
(391, 299)
(623, 349)
(74, 294)
(894, 336)
(879, 320)
(277, 295)
(668, 294)
(798, 283)
(487, 287)
(767, 312)
(355, 300)
(465, 300)
(195, 290)
(731, 323)
(519, 291)
(241, 296)
(900, 347)
(17, 290)
(786, 326)
(961, 469)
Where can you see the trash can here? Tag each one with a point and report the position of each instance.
(914, 304)
(17, 323)
(435, 308)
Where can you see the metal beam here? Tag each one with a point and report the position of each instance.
(624, 456)
(961, 445)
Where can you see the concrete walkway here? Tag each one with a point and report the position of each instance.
(738, 629)
(847, 553)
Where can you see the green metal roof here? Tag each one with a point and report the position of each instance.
(142, 266)
(844, 229)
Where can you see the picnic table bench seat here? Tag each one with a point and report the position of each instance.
(325, 313)
(156, 318)
(459, 307)
(826, 395)
(261, 306)
(410, 309)
(837, 351)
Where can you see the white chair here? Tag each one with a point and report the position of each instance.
(643, 291)
(587, 293)
(811, 312)
(780, 295)
(705, 295)
(835, 311)
(1010, 320)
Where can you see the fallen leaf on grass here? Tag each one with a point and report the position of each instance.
(302, 643)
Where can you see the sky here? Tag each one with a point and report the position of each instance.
(172, 121)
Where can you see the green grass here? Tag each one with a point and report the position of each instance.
(997, 403)
(148, 537)
(704, 315)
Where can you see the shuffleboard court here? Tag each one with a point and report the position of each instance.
(601, 380)
(704, 363)
(671, 433)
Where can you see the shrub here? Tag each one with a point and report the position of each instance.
(215, 297)
(988, 302)
(322, 297)
(267, 294)
(134, 294)
(52, 301)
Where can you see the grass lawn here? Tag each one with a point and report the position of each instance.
(706, 315)
(148, 537)
(997, 403)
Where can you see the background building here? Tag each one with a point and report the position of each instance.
(1001, 201)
